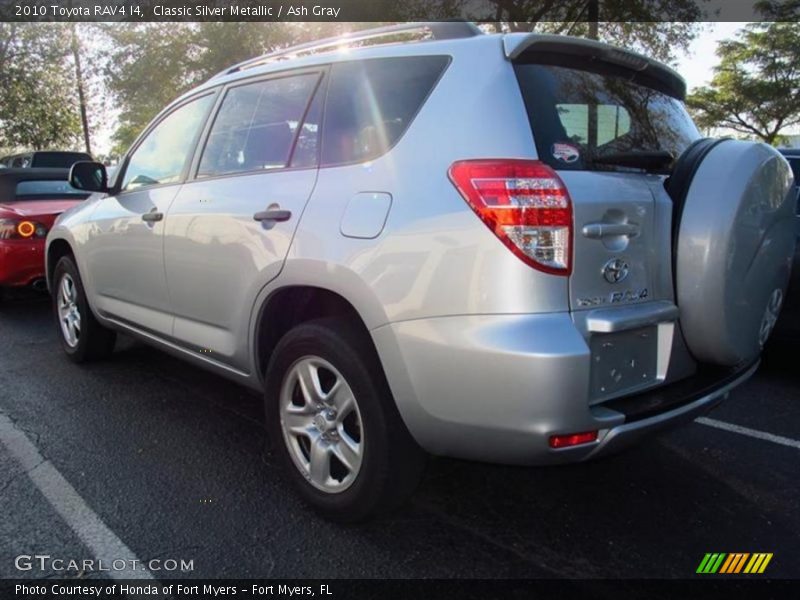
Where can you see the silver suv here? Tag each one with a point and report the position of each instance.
(422, 239)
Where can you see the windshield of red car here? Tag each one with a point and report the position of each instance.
(47, 190)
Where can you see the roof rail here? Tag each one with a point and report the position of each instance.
(439, 30)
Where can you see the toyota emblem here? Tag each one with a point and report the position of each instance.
(615, 270)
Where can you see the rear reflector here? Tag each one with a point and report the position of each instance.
(525, 204)
(572, 439)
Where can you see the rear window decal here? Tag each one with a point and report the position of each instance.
(566, 153)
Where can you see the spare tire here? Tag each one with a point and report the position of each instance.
(734, 242)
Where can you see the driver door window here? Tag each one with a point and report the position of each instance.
(162, 155)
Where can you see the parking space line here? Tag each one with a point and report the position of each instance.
(753, 433)
(66, 501)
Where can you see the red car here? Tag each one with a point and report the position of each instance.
(30, 200)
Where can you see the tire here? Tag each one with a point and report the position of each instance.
(384, 463)
(85, 340)
(733, 247)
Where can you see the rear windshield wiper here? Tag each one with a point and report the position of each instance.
(649, 160)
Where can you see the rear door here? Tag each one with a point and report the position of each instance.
(581, 119)
(610, 135)
(229, 229)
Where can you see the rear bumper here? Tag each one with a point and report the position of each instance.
(667, 407)
(495, 388)
(21, 262)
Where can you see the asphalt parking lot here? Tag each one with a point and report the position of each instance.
(166, 461)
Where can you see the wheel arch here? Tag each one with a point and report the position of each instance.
(56, 250)
(291, 305)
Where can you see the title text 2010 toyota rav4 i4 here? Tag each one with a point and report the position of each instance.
(477, 246)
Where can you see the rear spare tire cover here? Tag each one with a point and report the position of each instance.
(734, 248)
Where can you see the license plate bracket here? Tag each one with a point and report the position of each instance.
(623, 361)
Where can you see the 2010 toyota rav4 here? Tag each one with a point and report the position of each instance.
(511, 248)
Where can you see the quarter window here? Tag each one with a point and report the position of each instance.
(162, 155)
(372, 102)
(256, 126)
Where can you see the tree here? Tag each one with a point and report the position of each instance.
(779, 10)
(658, 28)
(36, 87)
(756, 86)
(149, 65)
(80, 84)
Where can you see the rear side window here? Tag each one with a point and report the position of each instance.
(371, 104)
(577, 116)
(306, 149)
(256, 125)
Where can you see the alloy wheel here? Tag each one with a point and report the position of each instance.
(321, 424)
(69, 314)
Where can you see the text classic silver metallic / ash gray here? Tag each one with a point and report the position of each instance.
(510, 248)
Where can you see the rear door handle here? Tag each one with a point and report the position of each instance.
(152, 217)
(597, 231)
(273, 214)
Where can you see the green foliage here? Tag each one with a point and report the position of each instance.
(635, 24)
(779, 10)
(36, 87)
(145, 69)
(756, 86)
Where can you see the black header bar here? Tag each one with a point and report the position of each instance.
(517, 11)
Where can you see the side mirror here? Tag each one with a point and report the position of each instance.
(89, 176)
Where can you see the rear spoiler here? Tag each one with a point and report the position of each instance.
(519, 46)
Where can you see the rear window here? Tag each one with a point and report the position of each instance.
(579, 115)
(371, 104)
(47, 189)
(58, 160)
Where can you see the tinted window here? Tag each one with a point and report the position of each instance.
(256, 126)
(371, 104)
(306, 150)
(795, 163)
(58, 160)
(577, 115)
(161, 156)
(53, 189)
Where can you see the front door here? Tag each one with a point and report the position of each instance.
(124, 249)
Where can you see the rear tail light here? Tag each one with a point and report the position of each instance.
(12, 229)
(525, 204)
(572, 439)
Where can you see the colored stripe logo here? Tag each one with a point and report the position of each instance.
(734, 563)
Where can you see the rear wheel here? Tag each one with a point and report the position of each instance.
(82, 336)
(334, 423)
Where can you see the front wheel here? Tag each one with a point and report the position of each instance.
(334, 423)
(83, 338)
